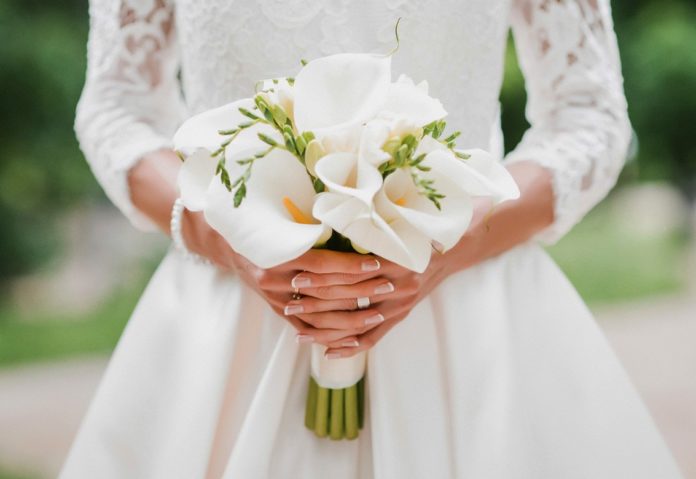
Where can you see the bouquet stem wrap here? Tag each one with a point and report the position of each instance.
(335, 395)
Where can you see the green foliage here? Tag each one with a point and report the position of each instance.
(42, 53)
(660, 82)
(606, 262)
(48, 336)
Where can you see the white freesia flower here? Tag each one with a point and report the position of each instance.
(411, 103)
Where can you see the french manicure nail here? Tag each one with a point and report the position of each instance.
(351, 344)
(371, 265)
(291, 309)
(332, 355)
(304, 338)
(301, 282)
(377, 318)
(384, 288)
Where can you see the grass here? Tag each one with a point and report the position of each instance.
(610, 264)
(46, 337)
(604, 263)
(5, 474)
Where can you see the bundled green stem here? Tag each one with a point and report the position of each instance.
(336, 413)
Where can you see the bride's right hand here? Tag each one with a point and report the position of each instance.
(274, 285)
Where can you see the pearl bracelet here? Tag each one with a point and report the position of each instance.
(178, 238)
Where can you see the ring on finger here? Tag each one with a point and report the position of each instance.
(363, 302)
(296, 294)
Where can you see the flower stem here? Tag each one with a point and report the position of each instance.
(351, 412)
(336, 428)
(361, 402)
(322, 416)
(311, 410)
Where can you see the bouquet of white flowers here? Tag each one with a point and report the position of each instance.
(341, 157)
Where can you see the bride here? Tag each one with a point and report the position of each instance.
(487, 365)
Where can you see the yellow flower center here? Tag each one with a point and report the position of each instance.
(295, 212)
(401, 201)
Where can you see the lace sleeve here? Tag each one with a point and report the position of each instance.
(576, 106)
(131, 101)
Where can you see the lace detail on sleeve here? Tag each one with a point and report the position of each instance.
(131, 101)
(576, 107)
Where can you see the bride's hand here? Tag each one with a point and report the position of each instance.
(276, 285)
(393, 294)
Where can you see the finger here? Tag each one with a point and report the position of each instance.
(273, 280)
(365, 341)
(310, 304)
(359, 320)
(369, 288)
(307, 279)
(307, 335)
(327, 261)
(346, 342)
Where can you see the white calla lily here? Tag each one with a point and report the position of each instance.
(194, 178)
(344, 173)
(355, 172)
(340, 90)
(201, 131)
(395, 240)
(274, 223)
(400, 198)
(479, 175)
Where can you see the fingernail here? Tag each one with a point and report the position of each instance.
(351, 344)
(291, 309)
(371, 265)
(384, 288)
(301, 282)
(304, 338)
(332, 355)
(377, 318)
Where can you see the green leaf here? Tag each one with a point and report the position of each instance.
(248, 113)
(239, 195)
(452, 137)
(279, 115)
(267, 139)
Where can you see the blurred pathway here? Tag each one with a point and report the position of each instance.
(41, 405)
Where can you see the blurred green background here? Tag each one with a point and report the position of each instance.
(634, 245)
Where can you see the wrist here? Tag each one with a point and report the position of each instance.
(184, 232)
(469, 248)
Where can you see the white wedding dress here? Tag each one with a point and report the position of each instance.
(500, 373)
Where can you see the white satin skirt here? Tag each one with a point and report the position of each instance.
(501, 373)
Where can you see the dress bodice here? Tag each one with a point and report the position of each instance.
(457, 46)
